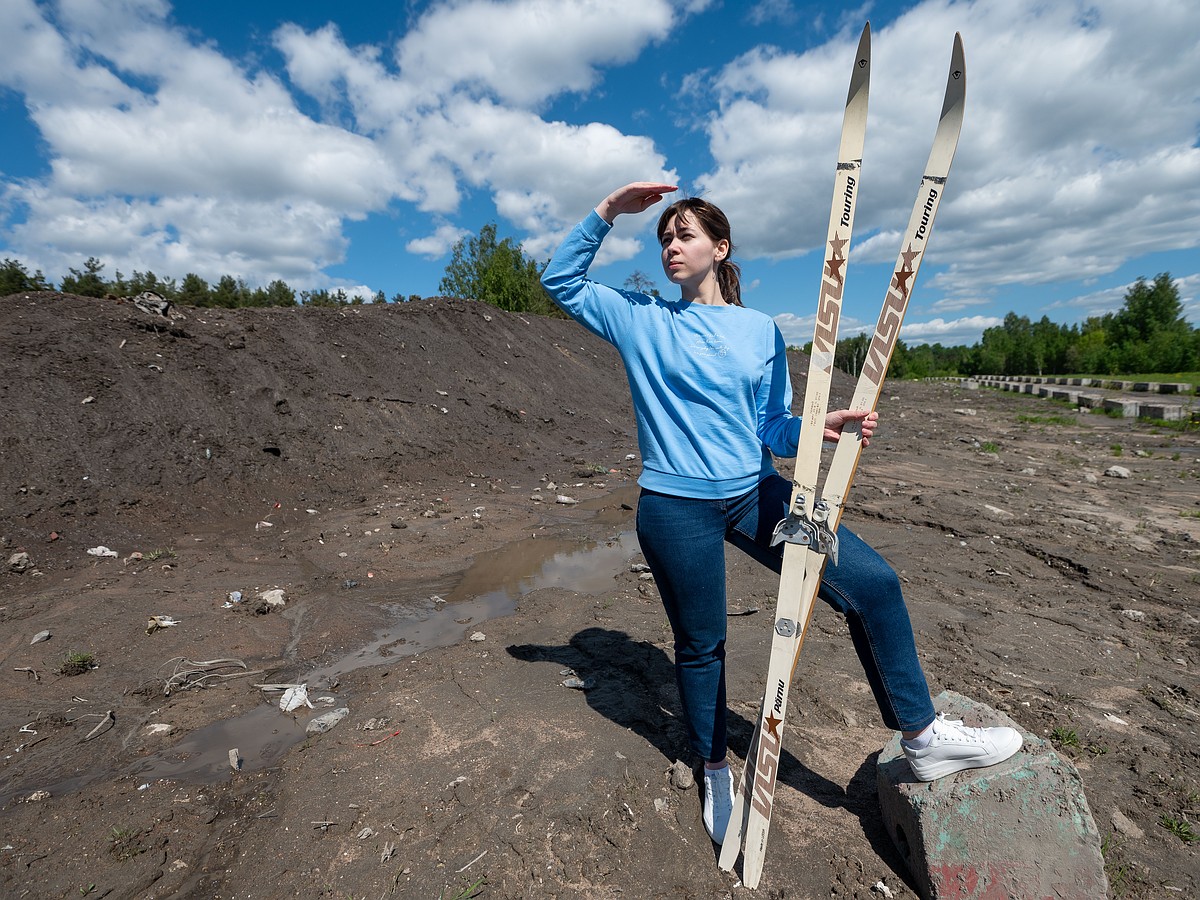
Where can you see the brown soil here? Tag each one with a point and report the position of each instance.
(394, 470)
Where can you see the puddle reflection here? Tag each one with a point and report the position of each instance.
(490, 588)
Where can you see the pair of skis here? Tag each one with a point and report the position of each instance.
(809, 532)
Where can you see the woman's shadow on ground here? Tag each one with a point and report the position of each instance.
(632, 683)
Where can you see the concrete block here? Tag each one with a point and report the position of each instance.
(1019, 829)
(1127, 408)
(1165, 411)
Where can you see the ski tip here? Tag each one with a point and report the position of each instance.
(861, 77)
(956, 81)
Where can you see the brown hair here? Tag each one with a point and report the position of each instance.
(715, 224)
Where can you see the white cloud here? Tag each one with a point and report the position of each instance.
(798, 330)
(166, 155)
(1075, 114)
(542, 174)
(765, 12)
(40, 62)
(509, 50)
(437, 244)
(1189, 295)
(1110, 300)
(454, 114)
(210, 236)
(967, 330)
(1078, 151)
(957, 304)
(361, 291)
(322, 65)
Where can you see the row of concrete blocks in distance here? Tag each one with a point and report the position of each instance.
(1167, 412)
(1136, 387)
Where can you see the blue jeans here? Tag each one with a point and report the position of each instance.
(683, 541)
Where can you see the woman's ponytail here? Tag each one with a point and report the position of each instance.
(729, 280)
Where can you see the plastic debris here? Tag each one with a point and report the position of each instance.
(190, 673)
(235, 759)
(274, 597)
(880, 888)
(295, 697)
(159, 728)
(157, 622)
(478, 636)
(323, 723)
(40, 636)
(574, 682)
(107, 721)
(565, 500)
(37, 795)
(103, 551)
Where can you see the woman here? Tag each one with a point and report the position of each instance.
(712, 396)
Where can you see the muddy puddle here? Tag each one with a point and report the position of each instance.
(423, 616)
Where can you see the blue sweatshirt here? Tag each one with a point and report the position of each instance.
(710, 384)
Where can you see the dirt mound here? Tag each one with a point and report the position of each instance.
(108, 408)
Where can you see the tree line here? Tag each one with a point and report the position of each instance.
(1148, 334)
(481, 267)
(192, 290)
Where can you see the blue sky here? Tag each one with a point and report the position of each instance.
(351, 144)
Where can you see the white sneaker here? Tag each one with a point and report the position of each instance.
(953, 747)
(718, 801)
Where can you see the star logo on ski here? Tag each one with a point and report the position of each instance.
(836, 261)
(905, 271)
(773, 725)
